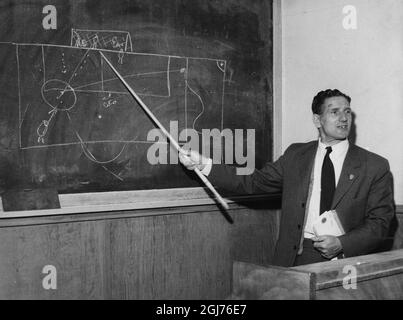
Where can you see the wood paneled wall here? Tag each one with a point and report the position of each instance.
(182, 253)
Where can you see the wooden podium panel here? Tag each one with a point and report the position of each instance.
(377, 276)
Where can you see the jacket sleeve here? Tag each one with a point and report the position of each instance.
(379, 213)
(267, 180)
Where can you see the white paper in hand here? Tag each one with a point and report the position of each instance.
(328, 224)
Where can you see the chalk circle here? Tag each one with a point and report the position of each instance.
(58, 95)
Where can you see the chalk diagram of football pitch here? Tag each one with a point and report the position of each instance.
(68, 95)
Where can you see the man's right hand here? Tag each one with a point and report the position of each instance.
(192, 159)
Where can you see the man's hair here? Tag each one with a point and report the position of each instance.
(320, 98)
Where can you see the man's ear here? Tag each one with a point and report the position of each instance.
(316, 120)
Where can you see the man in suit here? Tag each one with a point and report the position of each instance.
(314, 177)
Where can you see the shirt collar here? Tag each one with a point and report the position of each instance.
(337, 149)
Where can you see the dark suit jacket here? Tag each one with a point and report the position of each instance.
(363, 197)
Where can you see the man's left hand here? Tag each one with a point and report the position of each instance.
(328, 246)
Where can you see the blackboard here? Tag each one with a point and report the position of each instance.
(66, 122)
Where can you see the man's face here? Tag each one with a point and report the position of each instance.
(334, 123)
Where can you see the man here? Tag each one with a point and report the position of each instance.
(318, 176)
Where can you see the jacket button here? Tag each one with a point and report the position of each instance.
(295, 247)
(303, 204)
(299, 227)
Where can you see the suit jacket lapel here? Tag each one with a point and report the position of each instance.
(305, 166)
(349, 174)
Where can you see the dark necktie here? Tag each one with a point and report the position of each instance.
(328, 184)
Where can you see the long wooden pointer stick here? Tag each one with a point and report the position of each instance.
(167, 134)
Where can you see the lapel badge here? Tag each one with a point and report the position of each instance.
(351, 177)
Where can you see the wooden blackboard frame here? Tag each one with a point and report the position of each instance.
(81, 203)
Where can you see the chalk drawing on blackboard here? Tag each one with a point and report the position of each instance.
(61, 88)
(102, 39)
(198, 97)
(190, 90)
(68, 96)
(221, 65)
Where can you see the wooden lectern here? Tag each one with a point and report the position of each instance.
(375, 276)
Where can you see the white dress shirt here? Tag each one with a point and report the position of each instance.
(337, 156)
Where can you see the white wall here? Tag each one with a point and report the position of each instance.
(366, 63)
